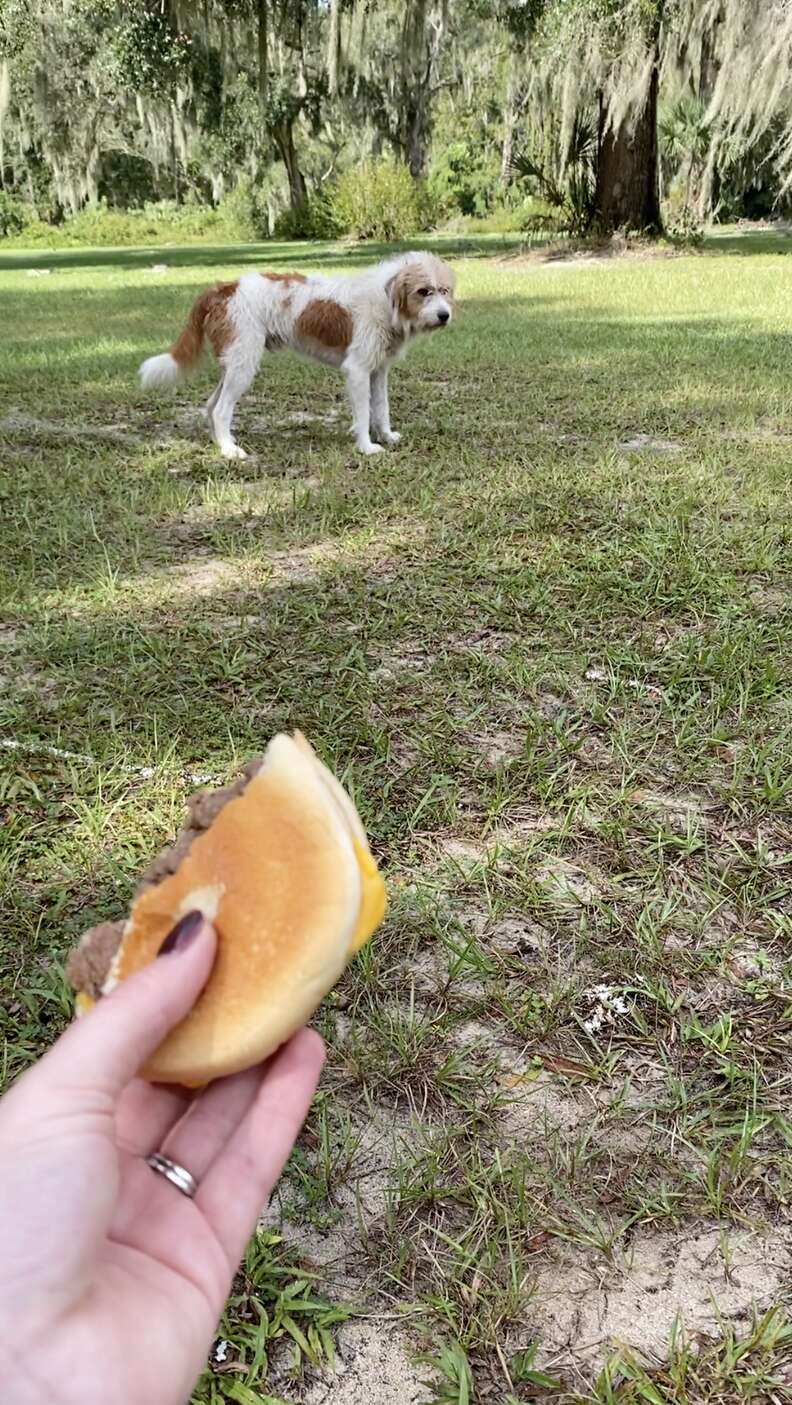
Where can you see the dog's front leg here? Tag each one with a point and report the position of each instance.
(358, 382)
(380, 408)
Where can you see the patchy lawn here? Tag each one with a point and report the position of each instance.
(547, 643)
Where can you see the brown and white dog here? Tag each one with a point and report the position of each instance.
(360, 324)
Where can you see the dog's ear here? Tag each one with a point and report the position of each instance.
(398, 290)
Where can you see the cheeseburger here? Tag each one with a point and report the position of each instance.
(280, 864)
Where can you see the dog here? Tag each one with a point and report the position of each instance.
(359, 324)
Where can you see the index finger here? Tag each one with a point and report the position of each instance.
(105, 1048)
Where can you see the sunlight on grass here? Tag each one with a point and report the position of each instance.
(546, 642)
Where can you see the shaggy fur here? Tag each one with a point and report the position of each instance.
(359, 324)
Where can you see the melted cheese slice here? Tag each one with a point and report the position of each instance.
(373, 899)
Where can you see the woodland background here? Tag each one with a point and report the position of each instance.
(122, 122)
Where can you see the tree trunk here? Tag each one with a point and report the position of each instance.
(421, 45)
(415, 143)
(627, 194)
(284, 140)
(708, 67)
(334, 47)
(262, 46)
(509, 119)
(700, 197)
(5, 102)
(507, 148)
(174, 156)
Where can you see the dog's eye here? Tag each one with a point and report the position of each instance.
(424, 292)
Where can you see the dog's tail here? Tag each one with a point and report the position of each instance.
(171, 365)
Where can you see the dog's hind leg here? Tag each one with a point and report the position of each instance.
(240, 368)
(209, 408)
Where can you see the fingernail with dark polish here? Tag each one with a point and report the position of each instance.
(182, 934)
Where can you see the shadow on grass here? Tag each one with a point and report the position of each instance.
(755, 241)
(522, 538)
(147, 322)
(315, 255)
(555, 332)
(518, 386)
(263, 255)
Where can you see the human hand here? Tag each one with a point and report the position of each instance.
(111, 1280)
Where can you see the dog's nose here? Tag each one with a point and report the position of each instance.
(443, 316)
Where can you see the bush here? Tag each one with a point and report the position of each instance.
(164, 222)
(463, 179)
(378, 200)
(530, 216)
(247, 209)
(684, 228)
(315, 220)
(537, 216)
(14, 215)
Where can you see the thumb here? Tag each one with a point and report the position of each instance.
(105, 1048)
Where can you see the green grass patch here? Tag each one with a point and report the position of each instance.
(547, 643)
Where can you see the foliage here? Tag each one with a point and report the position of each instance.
(16, 27)
(565, 179)
(532, 215)
(316, 219)
(161, 223)
(275, 1307)
(463, 178)
(152, 53)
(377, 200)
(484, 102)
(684, 228)
(14, 215)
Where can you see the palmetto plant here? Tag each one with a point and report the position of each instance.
(683, 131)
(565, 179)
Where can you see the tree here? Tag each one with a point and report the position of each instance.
(606, 54)
(627, 193)
(398, 71)
(615, 55)
(423, 30)
(590, 104)
(263, 42)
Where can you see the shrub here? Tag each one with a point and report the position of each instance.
(164, 222)
(14, 215)
(158, 223)
(246, 210)
(537, 216)
(463, 179)
(684, 228)
(378, 200)
(530, 216)
(315, 220)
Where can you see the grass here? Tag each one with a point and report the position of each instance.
(547, 642)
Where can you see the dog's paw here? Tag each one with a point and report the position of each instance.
(371, 449)
(392, 437)
(233, 451)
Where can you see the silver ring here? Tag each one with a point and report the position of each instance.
(177, 1175)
